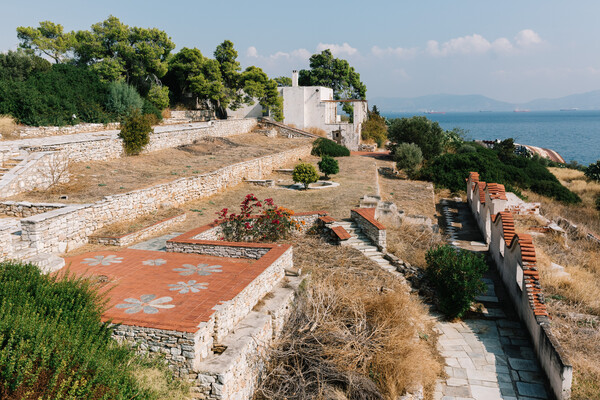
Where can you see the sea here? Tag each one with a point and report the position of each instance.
(574, 134)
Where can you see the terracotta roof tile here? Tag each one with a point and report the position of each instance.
(341, 233)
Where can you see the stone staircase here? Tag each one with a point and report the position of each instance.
(362, 243)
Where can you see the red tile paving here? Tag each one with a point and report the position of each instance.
(131, 279)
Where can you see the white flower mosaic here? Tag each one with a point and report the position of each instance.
(200, 269)
(189, 286)
(102, 260)
(157, 262)
(147, 303)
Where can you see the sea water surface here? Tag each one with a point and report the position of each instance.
(575, 135)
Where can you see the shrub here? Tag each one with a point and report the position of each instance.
(329, 166)
(456, 276)
(408, 156)
(593, 171)
(326, 147)
(374, 128)
(149, 109)
(53, 344)
(466, 148)
(135, 132)
(305, 173)
(272, 223)
(7, 126)
(426, 134)
(159, 96)
(123, 99)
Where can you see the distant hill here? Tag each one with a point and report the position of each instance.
(474, 103)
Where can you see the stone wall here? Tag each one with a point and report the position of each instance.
(37, 131)
(514, 256)
(56, 230)
(144, 233)
(365, 219)
(23, 209)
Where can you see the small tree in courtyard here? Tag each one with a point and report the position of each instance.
(329, 166)
(135, 132)
(305, 173)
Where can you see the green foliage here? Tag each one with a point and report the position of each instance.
(53, 344)
(305, 173)
(329, 166)
(456, 275)
(17, 65)
(593, 171)
(374, 128)
(256, 84)
(426, 134)
(123, 99)
(598, 202)
(48, 39)
(454, 138)
(408, 156)
(505, 149)
(322, 147)
(159, 96)
(52, 97)
(283, 81)
(257, 222)
(466, 148)
(450, 171)
(135, 132)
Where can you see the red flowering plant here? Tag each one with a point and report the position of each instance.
(257, 221)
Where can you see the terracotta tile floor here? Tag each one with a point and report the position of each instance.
(164, 290)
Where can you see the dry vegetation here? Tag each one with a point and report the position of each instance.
(316, 131)
(355, 333)
(93, 180)
(7, 127)
(574, 301)
(411, 242)
(126, 227)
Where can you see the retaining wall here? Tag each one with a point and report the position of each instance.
(514, 256)
(23, 209)
(69, 227)
(36, 131)
(365, 219)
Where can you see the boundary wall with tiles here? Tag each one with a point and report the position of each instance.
(514, 256)
(48, 164)
(70, 226)
(373, 229)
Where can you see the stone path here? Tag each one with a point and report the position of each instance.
(489, 356)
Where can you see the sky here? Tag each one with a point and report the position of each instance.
(509, 50)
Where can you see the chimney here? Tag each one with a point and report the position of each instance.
(295, 78)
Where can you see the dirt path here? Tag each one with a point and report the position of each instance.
(488, 355)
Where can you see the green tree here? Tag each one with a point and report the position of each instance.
(256, 84)
(283, 81)
(593, 171)
(135, 132)
(426, 134)
(123, 99)
(408, 156)
(328, 71)
(17, 65)
(505, 149)
(329, 166)
(374, 128)
(48, 39)
(159, 96)
(305, 173)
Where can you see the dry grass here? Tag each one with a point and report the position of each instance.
(410, 243)
(166, 113)
(355, 333)
(157, 381)
(316, 131)
(94, 180)
(8, 127)
(126, 227)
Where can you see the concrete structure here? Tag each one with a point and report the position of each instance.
(314, 107)
(515, 259)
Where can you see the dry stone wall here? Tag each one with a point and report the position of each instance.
(365, 219)
(23, 209)
(37, 131)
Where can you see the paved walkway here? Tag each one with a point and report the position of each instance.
(488, 356)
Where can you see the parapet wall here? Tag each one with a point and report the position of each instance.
(514, 256)
(69, 227)
(365, 219)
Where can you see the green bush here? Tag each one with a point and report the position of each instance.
(450, 171)
(149, 109)
(456, 275)
(466, 148)
(593, 171)
(53, 344)
(135, 132)
(123, 99)
(159, 96)
(326, 147)
(329, 166)
(305, 173)
(426, 134)
(408, 156)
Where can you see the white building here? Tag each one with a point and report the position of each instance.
(314, 107)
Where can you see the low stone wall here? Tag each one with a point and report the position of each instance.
(23, 209)
(218, 249)
(36, 131)
(365, 219)
(515, 259)
(144, 233)
(54, 231)
(7, 227)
